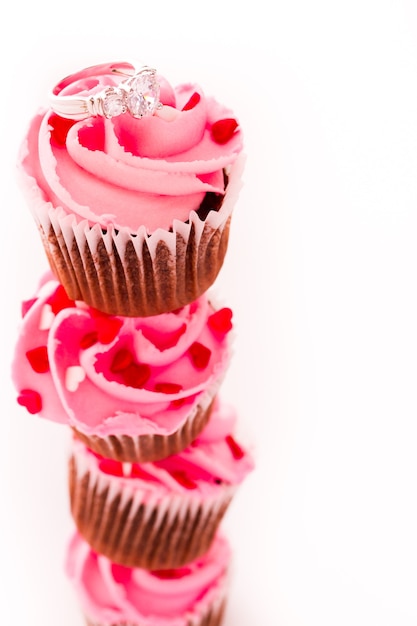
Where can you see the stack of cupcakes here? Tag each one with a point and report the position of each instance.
(132, 185)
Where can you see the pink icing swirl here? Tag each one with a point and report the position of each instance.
(213, 459)
(129, 172)
(111, 594)
(116, 375)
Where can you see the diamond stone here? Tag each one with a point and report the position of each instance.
(143, 97)
(113, 102)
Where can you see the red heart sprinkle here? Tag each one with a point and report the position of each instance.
(108, 328)
(200, 355)
(27, 305)
(31, 400)
(121, 360)
(178, 402)
(59, 300)
(109, 466)
(223, 130)
(38, 359)
(171, 573)
(60, 128)
(192, 102)
(136, 375)
(167, 387)
(221, 320)
(89, 340)
(138, 472)
(235, 448)
(183, 479)
(121, 573)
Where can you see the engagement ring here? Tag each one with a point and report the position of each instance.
(137, 94)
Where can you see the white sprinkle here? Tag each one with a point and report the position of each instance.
(73, 377)
(47, 317)
(127, 469)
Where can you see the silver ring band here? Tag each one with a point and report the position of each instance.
(138, 94)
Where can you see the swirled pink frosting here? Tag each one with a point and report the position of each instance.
(112, 594)
(129, 172)
(117, 375)
(214, 459)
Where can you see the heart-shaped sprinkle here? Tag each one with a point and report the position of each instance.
(136, 375)
(60, 127)
(200, 355)
(183, 479)
(38, 359)
(121, 574)
(164, 341)
(167, 574)
(121, 360)
(221, 321)
(223, 130)
(31, 400)
(89, 340)
(110, 466)
(192, 102)
(59, 300)
(235, 448)
(108, 328)
(167, 388)
(47, 317)
(74, 375)
(27, 305)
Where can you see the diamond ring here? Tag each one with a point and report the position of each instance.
(138, 94)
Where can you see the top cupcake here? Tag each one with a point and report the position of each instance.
(113, 176)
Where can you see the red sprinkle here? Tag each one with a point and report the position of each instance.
(184, 480)
(59, 300)
(221, 321)
(107, 328)
(60, 128)
(121, 360)
(136, 375)
(31, 400)
(167, 387)
(109, 466)
(200, 355)
(27, 305)
(138, 472)
(235, 448)
(192, 102)
(171, 573)
(223, 130)
(121, 574)
(178, 402)
(89, 340)
(38, 359)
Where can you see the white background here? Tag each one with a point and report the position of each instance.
(321, 273)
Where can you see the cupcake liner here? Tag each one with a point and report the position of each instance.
(144, 448)
(162, 532)
(212, 617)
(136, 274)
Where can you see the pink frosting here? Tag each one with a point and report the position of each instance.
(129, 172)
(112, 594)
(117, 375)
(213, 459)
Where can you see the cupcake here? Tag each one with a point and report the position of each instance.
(133, 209)
(113, 595)
(133, 389)
(162, 514)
